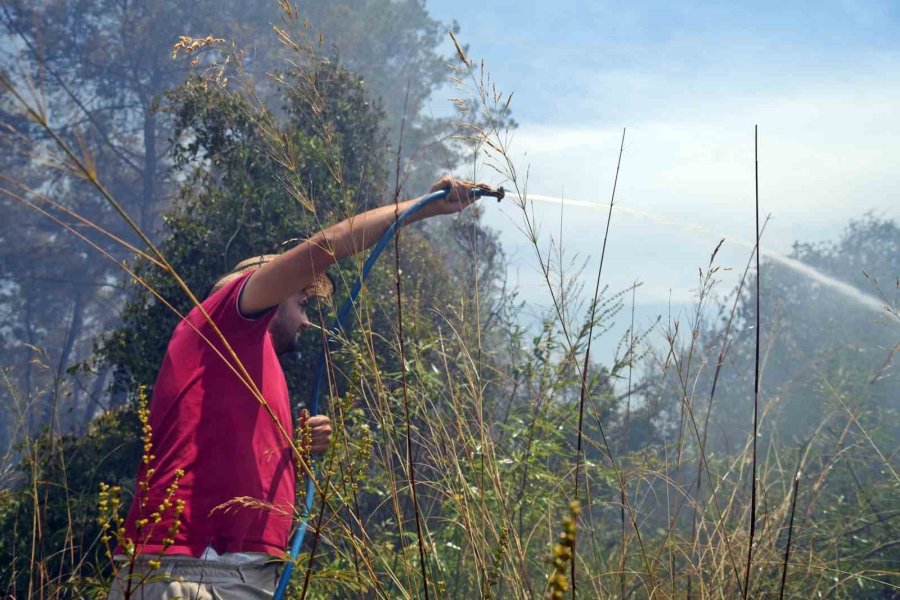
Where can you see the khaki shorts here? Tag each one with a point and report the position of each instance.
(187, 578)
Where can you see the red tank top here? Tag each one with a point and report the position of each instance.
(207, 423)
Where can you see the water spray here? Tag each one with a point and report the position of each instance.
(845, 289)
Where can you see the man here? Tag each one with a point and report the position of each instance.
(215, 500)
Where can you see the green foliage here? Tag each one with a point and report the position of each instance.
(59, 476)
(103, 70)
(821, 345)
(828, 406)
(234, 203)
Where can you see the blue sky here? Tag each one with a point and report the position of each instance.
(555, 53)
(690, 80)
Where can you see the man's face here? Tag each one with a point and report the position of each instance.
(289, 322)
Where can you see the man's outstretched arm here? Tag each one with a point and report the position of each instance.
(297, 269)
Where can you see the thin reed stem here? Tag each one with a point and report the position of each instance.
(753, 483)
(624, 542)
(787, 548)
(587, 352)
(410, 465)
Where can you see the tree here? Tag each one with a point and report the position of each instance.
(828, 402)
(821, 348)
(103, 69)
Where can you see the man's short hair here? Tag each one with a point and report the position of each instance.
(322, 287)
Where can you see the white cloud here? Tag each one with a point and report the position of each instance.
(827, 153)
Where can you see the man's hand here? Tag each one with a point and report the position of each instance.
(458, 197)
(320, 431)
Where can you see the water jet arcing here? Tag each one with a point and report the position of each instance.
(845, 289)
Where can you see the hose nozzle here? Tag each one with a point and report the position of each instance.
(499, 193)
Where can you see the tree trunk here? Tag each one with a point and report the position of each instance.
(149, 174)
(92, 404)
(72, 334)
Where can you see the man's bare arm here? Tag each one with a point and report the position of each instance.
(297, 269)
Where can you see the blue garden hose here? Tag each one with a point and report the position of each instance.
(339, 325)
